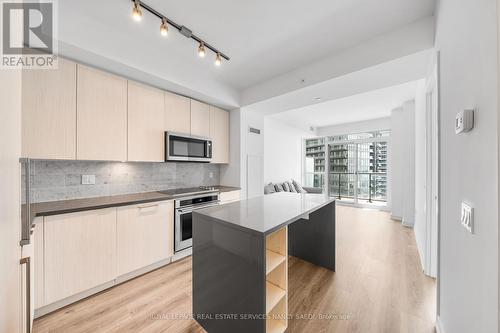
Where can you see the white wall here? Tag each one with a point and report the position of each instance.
(402, 163)
(245, 149)
(283, 153)
(420, 227)
(10, 234)
(467, 41)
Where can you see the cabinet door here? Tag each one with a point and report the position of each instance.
(219, 132)
(145, 235)
(177, 113)
(49, 112)
(101, 116)
(200, 119)
(80, 252)
(226, 197)
(38, 241)
(146, 117)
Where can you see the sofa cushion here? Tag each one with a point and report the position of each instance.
(298, 187)
(291, 186)
(269, 189)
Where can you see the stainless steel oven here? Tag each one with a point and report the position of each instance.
(184, 207)
(183, 147)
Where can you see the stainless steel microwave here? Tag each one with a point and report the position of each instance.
(189, 148)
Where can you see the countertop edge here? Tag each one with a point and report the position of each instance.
(75, 207)
(270, 231)
(97, 207)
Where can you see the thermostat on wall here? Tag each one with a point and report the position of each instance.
(464, 121)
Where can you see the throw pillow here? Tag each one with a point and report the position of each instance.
(298, 187)
(286, 187)
(292, 188)
(278, 187)
(269, 189)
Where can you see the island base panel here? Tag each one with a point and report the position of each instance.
(313, 240)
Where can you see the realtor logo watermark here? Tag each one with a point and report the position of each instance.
(29, 34)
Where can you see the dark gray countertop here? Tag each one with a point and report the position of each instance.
(78, 205)
(267, 213)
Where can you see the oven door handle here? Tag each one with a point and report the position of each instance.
(190, 210)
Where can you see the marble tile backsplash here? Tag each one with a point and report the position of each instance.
(53, 180)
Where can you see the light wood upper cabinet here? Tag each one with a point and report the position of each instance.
(219, 132)
(177, 113)
(146, 118)
(200, 119)
(79, 252)
(101, 115)
(49, 112)
(145, 235)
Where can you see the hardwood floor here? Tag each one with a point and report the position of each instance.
(378, 287)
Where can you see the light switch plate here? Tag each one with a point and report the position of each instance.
(467, 217)
(464, 121)
(88, 179)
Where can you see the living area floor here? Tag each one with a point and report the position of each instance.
(378, 286)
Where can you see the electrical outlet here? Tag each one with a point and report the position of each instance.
(467, 217)
(88, 179)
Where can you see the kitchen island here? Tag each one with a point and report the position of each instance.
(240, 258)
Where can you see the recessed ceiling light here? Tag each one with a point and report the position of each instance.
(317, 99)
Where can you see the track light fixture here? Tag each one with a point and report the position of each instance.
(165, 22)
(201, 50)
(136, 11)
(164, 27)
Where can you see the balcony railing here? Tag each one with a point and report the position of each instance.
(371, 186)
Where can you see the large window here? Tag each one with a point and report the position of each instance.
(356, 164)
(315, 163)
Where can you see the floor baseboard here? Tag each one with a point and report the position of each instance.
(439, 325)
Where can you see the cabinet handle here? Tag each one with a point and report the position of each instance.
(147, 207)
(26, 261)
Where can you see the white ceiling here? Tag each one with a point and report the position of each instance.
(263, 38)
(370, 105)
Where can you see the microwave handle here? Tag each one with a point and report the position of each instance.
(209, 149)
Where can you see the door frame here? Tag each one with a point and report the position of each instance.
(432, 173)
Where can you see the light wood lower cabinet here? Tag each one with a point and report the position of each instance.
(226, 197)
(145, 235)
(79, 252)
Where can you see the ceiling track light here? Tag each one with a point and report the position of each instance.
(164, 27)
(201, 50)
(136, 11)
(165, 21)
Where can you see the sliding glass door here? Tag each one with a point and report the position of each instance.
(357, 168)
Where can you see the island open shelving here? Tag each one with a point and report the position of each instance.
(277, 281)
